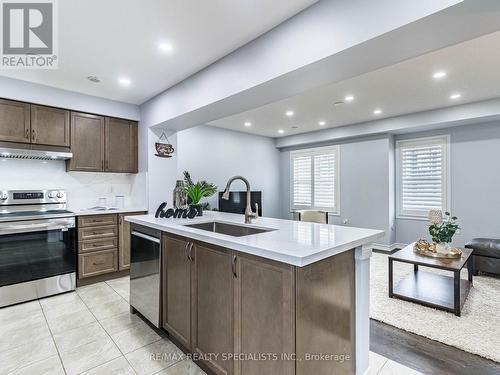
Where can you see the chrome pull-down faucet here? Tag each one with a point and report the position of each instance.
(249, 214)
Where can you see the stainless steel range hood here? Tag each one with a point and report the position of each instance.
(18, 153)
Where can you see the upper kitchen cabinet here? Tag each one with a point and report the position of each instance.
(102, 144)
(50, 126)
(120, 146)
(87, 143)
(14, 121)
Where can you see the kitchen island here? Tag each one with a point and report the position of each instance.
(272, 297)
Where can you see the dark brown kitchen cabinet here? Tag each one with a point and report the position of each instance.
(177, 289)
(120, 145)
(87, 143)
(217, 301)
(50, 126)
(264, 315)
(14, 121)
(124, 230)
(102, 144)
(213, 306)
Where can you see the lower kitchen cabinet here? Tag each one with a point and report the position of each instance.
(124, 240)
(213, 306)
(264, 315)
(103, 244)
(97, 263)
(177, 289)
(218, 301)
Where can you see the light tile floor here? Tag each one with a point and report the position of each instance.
(92, 332)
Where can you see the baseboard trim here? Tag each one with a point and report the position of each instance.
(387, 248)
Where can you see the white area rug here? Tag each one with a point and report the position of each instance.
(476, 331)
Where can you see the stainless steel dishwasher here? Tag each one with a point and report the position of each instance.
(145, 263)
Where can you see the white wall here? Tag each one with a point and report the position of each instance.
(475, 182)
(83, 188)
(215, 155)
(161, 172)
(367, 179)
(364, 185)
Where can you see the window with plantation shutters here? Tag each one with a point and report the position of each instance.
(422, 168)
(314, 179)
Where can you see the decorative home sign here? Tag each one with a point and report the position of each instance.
(178, 213)
(164, 150)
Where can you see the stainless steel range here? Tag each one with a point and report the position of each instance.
(37, 245)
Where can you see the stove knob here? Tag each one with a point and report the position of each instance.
(60, 194)
(4, 196)
(51, 194)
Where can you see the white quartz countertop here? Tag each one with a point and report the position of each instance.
(293, 242)
(85, 212)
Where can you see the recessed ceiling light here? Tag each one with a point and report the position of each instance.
(124, 81)
(94, 79)
(455, 96)
(165, 47)
(349, 98)
(289, 113)
(322, 123)
(281, 131)
(377, 111)
(439, 75)
(248, 124)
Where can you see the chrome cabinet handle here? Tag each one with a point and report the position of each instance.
(234, 267)
(98, 263)
(187, 252)
(190, 252)
(33, 135)
(27, 134)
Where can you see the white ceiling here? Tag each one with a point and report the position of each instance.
(472, 70)
(111, 39)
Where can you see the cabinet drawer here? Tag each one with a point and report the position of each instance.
(96, 233)
(97, 263)
(96, 220)
(95, 245)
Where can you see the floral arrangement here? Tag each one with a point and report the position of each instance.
(442, 229)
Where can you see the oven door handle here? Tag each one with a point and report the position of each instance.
(32, 228)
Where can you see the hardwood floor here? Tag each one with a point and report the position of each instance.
(424, 355)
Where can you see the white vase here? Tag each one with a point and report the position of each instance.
(442, 248)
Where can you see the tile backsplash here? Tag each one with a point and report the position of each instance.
(83, 188)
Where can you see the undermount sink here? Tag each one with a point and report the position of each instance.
(228, 229)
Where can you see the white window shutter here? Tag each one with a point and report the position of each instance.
(422, 181)
(302, 189)
(314, 179)
(325, 166)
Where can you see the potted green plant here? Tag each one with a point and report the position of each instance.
(442, 229)
(195, 192)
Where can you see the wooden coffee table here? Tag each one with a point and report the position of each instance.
(429, 289)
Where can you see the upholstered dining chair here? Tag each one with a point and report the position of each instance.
(312, 216)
